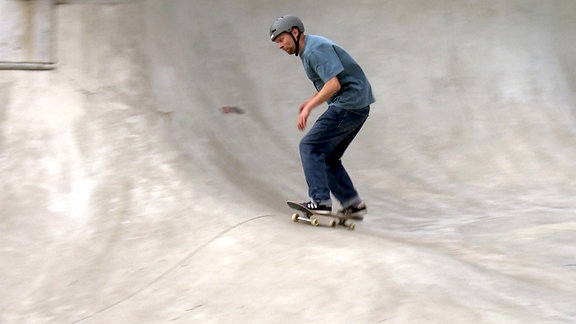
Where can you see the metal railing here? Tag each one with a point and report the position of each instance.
(26, 39)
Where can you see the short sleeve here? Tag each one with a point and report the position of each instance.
(326, 63)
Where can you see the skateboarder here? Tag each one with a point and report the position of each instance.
(341, 83)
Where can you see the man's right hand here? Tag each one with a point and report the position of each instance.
(303, 117)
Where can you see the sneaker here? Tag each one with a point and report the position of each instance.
(355, 211)
(320, 209)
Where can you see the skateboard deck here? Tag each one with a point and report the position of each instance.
(310, 216)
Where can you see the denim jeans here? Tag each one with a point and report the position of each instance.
(321, 151)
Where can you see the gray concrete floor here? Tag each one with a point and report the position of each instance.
(128, 196)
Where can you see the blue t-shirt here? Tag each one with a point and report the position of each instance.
(323, 60)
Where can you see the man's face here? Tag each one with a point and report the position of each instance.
(286, 43)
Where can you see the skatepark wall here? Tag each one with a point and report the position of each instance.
(472, 99)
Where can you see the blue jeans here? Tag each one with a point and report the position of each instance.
(321, 151)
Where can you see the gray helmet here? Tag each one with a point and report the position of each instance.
(285, 24)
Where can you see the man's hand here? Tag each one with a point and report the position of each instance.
(329, 89)
(303, 117)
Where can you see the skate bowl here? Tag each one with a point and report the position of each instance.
(145, 177)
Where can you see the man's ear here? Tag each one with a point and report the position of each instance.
(295, 32)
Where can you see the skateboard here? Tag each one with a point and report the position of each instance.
(337, 218)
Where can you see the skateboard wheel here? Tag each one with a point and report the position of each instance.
(295, 217)
(314, 222)
(351, 226)
(333, 223)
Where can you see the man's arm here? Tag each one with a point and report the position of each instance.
(329, 89)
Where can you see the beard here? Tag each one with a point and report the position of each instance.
(291, 50)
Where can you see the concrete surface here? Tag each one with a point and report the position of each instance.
(26, 34)
(128, 196)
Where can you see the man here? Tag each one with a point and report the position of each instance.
(341, 83)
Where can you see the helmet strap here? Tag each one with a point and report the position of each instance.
(297, 41)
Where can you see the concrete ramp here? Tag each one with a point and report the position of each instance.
(144, 180)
